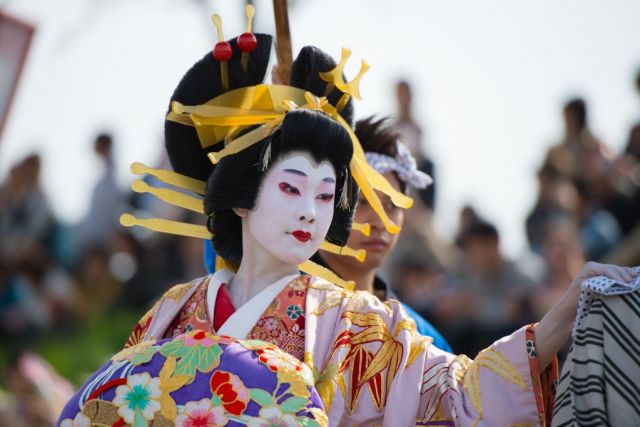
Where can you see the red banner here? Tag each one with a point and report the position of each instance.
(15, 39)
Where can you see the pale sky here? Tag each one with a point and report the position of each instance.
(489, 77)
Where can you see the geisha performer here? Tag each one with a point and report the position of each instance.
(283, 186)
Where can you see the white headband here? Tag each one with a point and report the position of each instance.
(403, 164)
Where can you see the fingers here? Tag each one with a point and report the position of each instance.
(615, 272)
(624, 273)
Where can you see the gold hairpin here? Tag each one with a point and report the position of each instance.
(170, 177)
(172, 197)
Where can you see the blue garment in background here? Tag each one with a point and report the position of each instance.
(425, 328)
(209, 257)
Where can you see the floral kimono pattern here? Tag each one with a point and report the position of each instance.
(198, 379)
(371, 367)
(281, 324)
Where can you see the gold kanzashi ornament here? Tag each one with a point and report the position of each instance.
(263, 107)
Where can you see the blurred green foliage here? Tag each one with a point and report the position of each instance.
(77, 350)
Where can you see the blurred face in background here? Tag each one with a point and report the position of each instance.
(380, 242)
(562, 250)
(482, 253)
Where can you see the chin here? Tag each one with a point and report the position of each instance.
(294, 259)
(372, 261)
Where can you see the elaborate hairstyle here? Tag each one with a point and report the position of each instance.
(305, 74)
(224, 129)
(200, 84)
(236, 180)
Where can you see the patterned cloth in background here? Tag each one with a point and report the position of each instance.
(599, 381)
(601, 285)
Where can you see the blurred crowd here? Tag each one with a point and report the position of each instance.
(59, 281)
(587, 209)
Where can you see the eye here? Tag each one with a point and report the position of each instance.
(325, 197)
(288, 188)
(390, 207)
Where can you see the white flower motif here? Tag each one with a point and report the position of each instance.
(273, 416)
(79, 421)
(140, 395)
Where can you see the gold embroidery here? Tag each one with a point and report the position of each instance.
(168, 384)
(419, 344)
(178, 292)
(495, 362)
(342, 385)
(386, 358)
(139, 348)
(334, 299)
(308, 359)
(388, 303)
(325, 386)
(361, 301)
(323, 285)
(459, 366)
(297, 384)
(368, 320)
(405, 324)
(101, 412)
(160, 421)
(320, 416)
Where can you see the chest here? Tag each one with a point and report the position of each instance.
(282, 323)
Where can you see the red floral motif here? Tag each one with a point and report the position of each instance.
(137, 335)
(229, 391)
(276, 359)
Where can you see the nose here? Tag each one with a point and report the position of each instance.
(307, 212)
(367, 214)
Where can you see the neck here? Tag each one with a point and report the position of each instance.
(363, 278)
(258, 269)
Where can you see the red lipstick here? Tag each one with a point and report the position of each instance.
(302, 236)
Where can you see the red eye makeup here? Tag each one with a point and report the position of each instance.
(288, 188)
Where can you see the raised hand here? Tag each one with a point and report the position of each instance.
(555, 327)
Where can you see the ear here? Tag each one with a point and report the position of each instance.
(241, 212)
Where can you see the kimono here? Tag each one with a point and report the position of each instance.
(197, 379)
(369, 364)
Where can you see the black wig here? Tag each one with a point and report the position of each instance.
(200, 84)
(236, 180)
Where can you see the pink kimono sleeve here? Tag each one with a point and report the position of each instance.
(380, 371)
(501, 386)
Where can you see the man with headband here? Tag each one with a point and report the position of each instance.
(393, 160)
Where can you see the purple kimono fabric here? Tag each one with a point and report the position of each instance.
(198, 379)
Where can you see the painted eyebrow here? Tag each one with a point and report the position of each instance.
(297, 172)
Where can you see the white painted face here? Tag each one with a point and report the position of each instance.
(294, 208)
